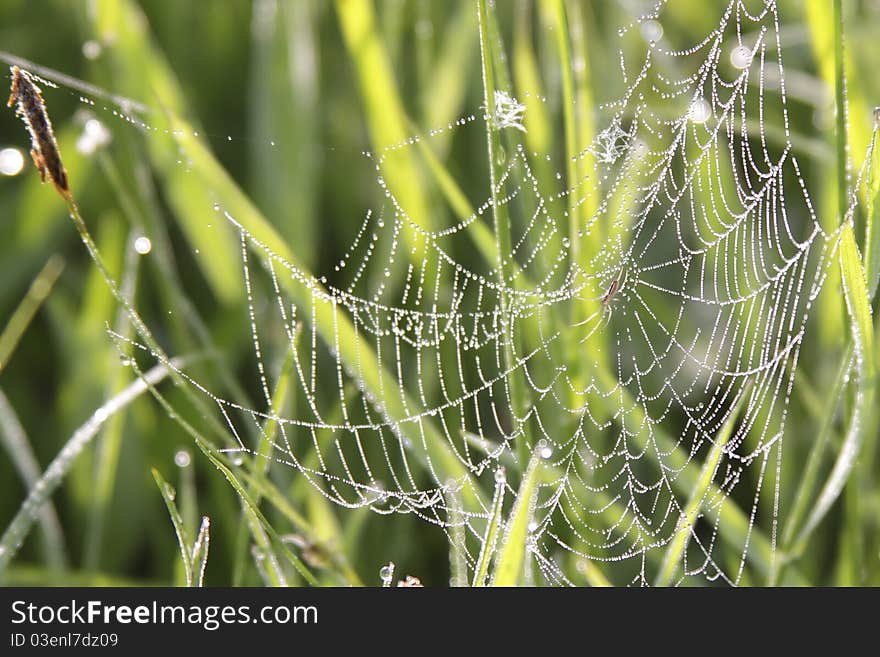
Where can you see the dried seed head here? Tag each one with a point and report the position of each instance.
(28, 99)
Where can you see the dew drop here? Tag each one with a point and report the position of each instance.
(741, 57)
(386, 574)
(91, 49)
(652, 31)
(11, 161)
(182, 458)
(500, 475)
(143, 245)
(699, 111)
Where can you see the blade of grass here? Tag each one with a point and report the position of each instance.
(457, 541)
(200, 551)
(859, 308)
(17, 445)
(386, 116)
(444, 88)
(554, 10)
(493, 524)
(168, 495)
(583, 106)
(872, 230)
(18, 529)
(679, 541)
(110, 443)
(285, 117)
(261, 461)
(810, 475)
(24, 313)
(140, 68)
(489, 54)
(512, 551)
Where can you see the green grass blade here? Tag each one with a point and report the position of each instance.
(862, 328)
(457, 541)
(699, 495)
(110, 443)
(512, 551)
(261, 461)
(168, 495)
(444, 86)
(285, 118)
(810, 475)
(384, 109)
(872, 209)
(25, 311)
(493, 525)
(200, 552)
(257, 517)
(18, 529)
(555, 12)
(17, 445)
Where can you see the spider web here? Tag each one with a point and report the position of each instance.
(650, 347)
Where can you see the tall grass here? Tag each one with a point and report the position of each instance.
(325, 81)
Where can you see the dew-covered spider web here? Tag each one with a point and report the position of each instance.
(637, 334)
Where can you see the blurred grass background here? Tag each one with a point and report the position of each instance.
(323, 81)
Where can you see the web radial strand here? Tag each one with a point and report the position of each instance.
(675, 311)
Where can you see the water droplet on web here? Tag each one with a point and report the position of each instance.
(533, 525)
(500, 475)
(387, 272)
(386, 574)
(545, 451)
(741, 57)
(182, 458)
(652, 31)
(566, 242)
(101, 415)
(237, 460)
(699, 111)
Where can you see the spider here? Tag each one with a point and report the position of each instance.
(606, 309)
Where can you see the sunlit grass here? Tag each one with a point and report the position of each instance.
(302, 198)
